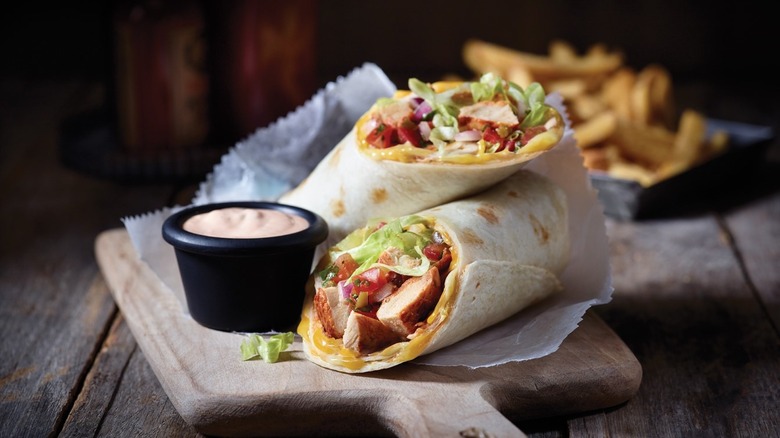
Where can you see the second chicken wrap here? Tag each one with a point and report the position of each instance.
(426, 146)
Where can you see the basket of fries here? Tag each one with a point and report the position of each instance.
(643, 155)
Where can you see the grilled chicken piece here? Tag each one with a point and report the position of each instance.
(490, 112)
(394, 113)
(394, 256)
(331, 311)
(412, 302)
(365, 334)
(390, 256)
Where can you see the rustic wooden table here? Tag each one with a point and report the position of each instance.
(697, 298)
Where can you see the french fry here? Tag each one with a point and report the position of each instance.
(717, 143)
(670, 169)
(624, 120)
(519, 75)
(690, 137)
(639, 101)
(601, 157)
(651, 97)
(631, 171)
(616, 92)
(585, 106)
(661, 95)
(595, 159)
(649, 145)
(597, 50)
(562, 52)
(596, 130)
(688, 144)
(569, 88)
(484, 57)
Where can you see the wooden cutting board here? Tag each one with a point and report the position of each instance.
(219, 394)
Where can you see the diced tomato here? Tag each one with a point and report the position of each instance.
(531, 133)
(370, 280)
(444, 263)
(346, 265)
(491, 136)
(439, 255)
(434, 251)
(408, 131)
(383, 136)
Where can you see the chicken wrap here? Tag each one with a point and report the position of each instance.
(426, 146)
(406, 286)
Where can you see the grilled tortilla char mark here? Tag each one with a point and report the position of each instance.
(365, 334)
(402, 310)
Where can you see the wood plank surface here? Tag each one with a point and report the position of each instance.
(54, 313)
(217, 393)
(684, 307)
(755, 231)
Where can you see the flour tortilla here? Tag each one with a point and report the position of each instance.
(510, 244)
(348, 186)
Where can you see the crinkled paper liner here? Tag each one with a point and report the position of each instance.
(275, 159)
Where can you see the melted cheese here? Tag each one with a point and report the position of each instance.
(333, 351)
(408, 153)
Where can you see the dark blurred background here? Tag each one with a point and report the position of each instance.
(696, 40)
(716, 52)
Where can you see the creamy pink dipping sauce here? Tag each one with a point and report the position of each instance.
(245, 223)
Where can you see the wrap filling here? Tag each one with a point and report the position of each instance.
(382, 282)
(460, 122)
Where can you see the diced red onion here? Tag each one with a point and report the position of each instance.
(369, 126)
(381, 293)
(425, 130)
(470, 135)
(345, 288)
(421, 111)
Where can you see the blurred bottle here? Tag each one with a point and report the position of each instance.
(161, 77)
(262, 62)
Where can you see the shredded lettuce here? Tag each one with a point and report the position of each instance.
(414, 270)
(399, 233)
(421, 89)
(254, 346)
(384, 101)
(445, 112)
(527, 103)
(488, 86)
(533, 99)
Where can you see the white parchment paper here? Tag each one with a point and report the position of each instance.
(275, 159)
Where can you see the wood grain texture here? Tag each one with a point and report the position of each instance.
(53, 310)
(685, 309)
(217, 393)
(99, 388)
(755, 231)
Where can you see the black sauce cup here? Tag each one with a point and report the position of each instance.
(245, 285)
